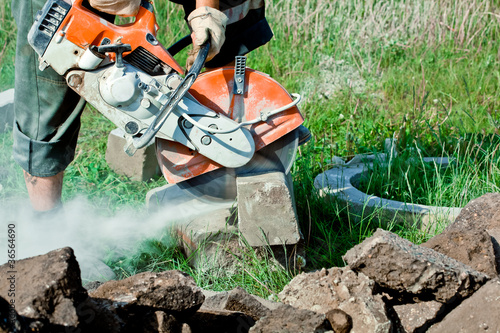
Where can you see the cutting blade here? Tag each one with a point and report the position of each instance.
(220, 185)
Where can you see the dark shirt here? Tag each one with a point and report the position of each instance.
(247, 28)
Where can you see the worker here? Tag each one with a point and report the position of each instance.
(47, 111)
(247, 29)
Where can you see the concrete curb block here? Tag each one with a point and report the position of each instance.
(338, 182)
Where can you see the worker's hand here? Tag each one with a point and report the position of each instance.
(207, 24)
(117, 7)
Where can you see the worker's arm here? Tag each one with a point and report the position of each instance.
(207, 23)
(207, 3)
(117, 7)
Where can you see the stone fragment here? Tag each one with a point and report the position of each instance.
(339, 288)
(220, 321)
(47, 287)
(237, 300)
(417, 317)
(266, 210)
(473, 248)
(169, 290)
(140, 167)
(482, 213)
(340, 321)
(397, 264)
(478, 313)
(287, 319)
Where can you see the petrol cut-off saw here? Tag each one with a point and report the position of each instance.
(208, 127)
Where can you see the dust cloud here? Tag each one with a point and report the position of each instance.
(93, 236)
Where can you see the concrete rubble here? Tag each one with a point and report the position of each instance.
(479, 313)
(482, 213)
(473, 248)
(343, 289)
(239, 300)
(390, 285)
(47, 288)
(416, 317)
(289, 319)
(151, 289)
(396, 264)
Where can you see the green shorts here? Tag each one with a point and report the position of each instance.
(47, 111)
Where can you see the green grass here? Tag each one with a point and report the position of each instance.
(425, 73)
(473, 171)
(7, 46)
(257, 271)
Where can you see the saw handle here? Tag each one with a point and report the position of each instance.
(199, 62)
(118, 49)
(172, 102)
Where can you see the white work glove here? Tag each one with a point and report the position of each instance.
(117, 7)
(207, 24)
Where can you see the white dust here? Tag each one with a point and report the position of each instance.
(92, 235)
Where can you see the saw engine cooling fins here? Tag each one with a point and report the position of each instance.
(201, 122)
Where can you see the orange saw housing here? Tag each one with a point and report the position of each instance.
(84, 28)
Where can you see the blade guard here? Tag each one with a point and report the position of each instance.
(214, 89)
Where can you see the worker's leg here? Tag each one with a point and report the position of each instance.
(47, 117)
(44, 192)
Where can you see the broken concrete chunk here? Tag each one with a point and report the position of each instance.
(47, 287)
(397, 264)
(266, 212)
(473, 248)
(169, 290)
(339, 288)
(340, 321)
(287, 319)
(417, 317)
(478, 313)
(237, 300)
(482, 213)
